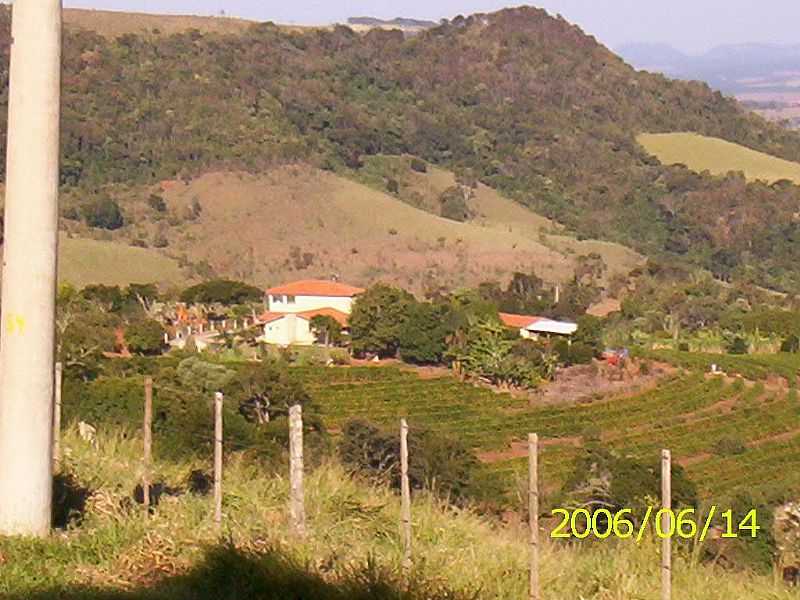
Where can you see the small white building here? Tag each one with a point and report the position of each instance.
(291, 307)
(294, 329)
(532, 328)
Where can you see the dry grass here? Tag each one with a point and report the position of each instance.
(114, 24)
(250, 224)
(349, 524)
(701, 153)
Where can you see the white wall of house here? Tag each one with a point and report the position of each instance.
(290, 330)
(281, 303)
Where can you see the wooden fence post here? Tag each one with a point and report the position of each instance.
(297, 511)
(666, 518)
(147, 436)
(59, 377)
(405, 502)
(533, 513)
(218, 459)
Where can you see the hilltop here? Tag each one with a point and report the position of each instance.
(519, 101)
(116, 23)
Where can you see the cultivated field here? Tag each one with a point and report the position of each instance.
(701, 153)
(693, 415)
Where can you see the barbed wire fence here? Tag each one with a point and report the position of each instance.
(296, 467)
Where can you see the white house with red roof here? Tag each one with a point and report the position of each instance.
(291, 307)
(531, 327)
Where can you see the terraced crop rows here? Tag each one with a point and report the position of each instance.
(751, 366)
(689, 413)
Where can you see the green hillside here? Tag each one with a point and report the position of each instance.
(517, 100)
(83, 262)
(701, 153)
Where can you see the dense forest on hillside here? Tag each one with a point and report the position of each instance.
(519, 100)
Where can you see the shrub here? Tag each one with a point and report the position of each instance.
(683, 347)
(791, 344)
(157, 203)
(453, 205)
(145, 337)
(340, 357)
(729, 446)
(603, 479)
(103, 213)
(437, 462)
(738, 346)
(576, 353)
(419, 165)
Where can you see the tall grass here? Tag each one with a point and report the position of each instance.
(352, 551)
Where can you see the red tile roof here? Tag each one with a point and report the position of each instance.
(269, 317)
(340, 317)
(316, 287)
(518, 321)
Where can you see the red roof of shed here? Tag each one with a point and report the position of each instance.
(518, 321)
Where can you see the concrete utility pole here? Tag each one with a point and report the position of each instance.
(27, 332)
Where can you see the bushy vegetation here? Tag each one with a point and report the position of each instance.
(437, 462)
(222, 291)
(562, 142)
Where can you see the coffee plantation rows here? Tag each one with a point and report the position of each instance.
(731, 434)
(750, 366)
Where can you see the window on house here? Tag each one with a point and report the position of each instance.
(289, 299)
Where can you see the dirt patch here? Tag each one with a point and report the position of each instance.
(519, 449)
(689, 461)
(589, 383)
(780, 437)
(432, 372)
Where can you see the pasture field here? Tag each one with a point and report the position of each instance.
(693, 415)
(701, 153)
(83, 262)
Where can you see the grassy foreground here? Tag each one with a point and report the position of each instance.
(352, 551)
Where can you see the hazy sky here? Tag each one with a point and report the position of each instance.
(690, 25)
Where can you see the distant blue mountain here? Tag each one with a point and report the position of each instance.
(733, 68)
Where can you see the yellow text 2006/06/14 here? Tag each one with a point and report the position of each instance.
(667, 523)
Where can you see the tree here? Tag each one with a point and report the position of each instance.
(484, 350)
(377, 319)
(327, 329)
(267, 392)
(222, 291)
(145, 336)
(103, 213)
(423, 336)
(453, 204)
(86, 334)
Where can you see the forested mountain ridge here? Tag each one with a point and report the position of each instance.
(519, 100)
